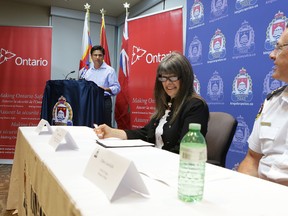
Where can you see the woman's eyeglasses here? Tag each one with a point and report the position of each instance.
(165, 78)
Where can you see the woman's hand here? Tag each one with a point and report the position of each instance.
(104, 131)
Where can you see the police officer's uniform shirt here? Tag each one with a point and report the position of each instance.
(270, 137)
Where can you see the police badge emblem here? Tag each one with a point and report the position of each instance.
(196, 13)
(195, 50)
(270, 84)
(274, 30)
(196, 85)
(215, 88)
(242, 87)
(218, 8)
(240, 138)
(244, 40)
(217, 47)
(62, 113)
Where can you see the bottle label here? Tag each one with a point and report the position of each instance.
(195, 154)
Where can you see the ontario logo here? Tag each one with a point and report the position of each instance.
(6, 55)
(150, 58)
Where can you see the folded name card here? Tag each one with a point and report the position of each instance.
(40, 129)
(60, 135)
(114, 174)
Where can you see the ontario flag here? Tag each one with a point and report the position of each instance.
(122, 107)
(85, 61)
(103, 41)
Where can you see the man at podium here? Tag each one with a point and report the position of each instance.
(105, 77)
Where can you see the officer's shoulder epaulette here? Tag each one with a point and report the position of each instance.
(275, 92)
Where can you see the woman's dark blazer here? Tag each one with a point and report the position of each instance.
(193, 111)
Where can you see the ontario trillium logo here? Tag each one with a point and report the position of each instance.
(5, 55)
(150, 58)
(137, 54)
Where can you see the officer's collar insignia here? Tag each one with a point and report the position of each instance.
(275, 92)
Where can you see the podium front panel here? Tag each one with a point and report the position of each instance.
(73, 102)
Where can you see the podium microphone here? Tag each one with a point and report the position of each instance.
(69, 74)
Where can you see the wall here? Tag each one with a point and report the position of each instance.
(67, 39)
(68, 29)
(17, 14)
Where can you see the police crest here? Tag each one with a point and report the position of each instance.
(244, 40)
(196, 13)
(218, 8)
(242, 87)
(270, 84)
(215, 88)
(62, 113)
(274, 30)
(196, 85)
(217, 47)
(195, 50)
(240, 138)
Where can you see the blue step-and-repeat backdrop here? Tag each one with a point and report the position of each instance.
(228, 44)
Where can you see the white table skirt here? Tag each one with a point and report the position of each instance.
(52, 182)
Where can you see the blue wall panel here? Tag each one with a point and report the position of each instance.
(228, 44)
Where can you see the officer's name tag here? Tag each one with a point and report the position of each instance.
(266, 124)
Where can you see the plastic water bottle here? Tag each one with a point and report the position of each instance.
(193, 156)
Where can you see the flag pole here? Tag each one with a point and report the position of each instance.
(122, 106)
(85, 60)
(103, 38)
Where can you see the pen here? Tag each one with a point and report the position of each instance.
(99, 135)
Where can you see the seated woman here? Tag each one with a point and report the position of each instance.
(176, 105)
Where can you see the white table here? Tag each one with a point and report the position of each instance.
(53, 182)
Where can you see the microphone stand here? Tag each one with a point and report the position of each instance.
(69, 74)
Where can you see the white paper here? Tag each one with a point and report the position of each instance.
(59, 136)
(113, 174)
(41, 125)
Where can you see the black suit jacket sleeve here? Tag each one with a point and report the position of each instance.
(194, 111)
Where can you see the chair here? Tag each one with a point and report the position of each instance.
(221, 129)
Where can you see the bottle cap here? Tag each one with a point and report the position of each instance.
(195, 126)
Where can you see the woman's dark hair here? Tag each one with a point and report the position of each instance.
(178, 65)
